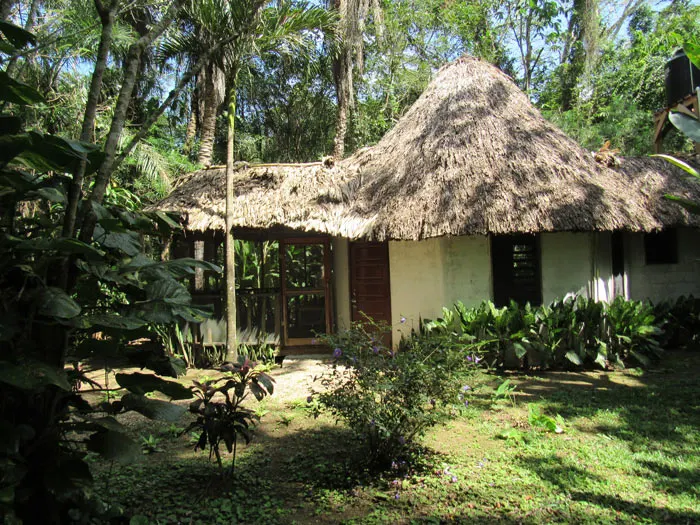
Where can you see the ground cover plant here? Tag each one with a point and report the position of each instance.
(628, 452)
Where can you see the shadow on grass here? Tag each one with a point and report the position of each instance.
(579, 484)
(651, 418)
(642, 408)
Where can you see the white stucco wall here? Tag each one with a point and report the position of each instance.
(566, 263)
(659, 282)
(341, 283)
(427, 275)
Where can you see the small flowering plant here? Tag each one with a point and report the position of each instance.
(390, 397)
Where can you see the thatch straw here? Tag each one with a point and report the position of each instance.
(303, 197)
(471, 156)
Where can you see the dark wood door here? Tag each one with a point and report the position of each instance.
(370, 291)
(305, 282)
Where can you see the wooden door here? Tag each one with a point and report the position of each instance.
(305, 282)
(370, 291)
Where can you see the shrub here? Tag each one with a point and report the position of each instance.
(681, 322)
(571, 332)
(390, 398)
(220, 416)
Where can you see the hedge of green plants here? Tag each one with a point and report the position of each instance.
(573, 332)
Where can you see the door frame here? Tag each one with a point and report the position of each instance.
(285, 293)
(351, 298)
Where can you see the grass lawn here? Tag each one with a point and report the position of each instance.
(630, 453)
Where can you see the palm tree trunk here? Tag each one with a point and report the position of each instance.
(342, 73)
(231, 328)
(206, 143)
(191, 124)
(131, 70)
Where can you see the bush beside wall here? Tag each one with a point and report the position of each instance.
(573, 332)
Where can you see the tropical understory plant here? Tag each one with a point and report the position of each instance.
(220, 416)
(567, 333)
(65, 300)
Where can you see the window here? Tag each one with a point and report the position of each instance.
(617, 247)
(661, 247)
(515, 260)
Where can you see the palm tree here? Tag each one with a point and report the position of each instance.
(349, 55)
(283, 28)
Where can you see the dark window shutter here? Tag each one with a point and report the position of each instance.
(515, 263)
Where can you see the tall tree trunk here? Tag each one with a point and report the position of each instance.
(107, 14)
(133, 61)
(174, 94)
(208, 131)
(191, 123)
(341, 72)
(231, 326)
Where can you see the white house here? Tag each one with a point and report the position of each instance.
(473, 195)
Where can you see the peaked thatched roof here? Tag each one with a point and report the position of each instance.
(471, 156)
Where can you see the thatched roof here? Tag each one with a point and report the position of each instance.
(471, 156)
(303, 197)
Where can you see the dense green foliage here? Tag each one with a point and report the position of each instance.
(571, 332)
(64, 300)
(391, 398)
(596, 69)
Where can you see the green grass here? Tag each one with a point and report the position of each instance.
(630, 453)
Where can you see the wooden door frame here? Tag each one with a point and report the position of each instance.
(388, 279)
(326, 289)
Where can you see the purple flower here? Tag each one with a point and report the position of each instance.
(403, 319)
(337, 353)
(396, 496)
(477, 359)
(470, 358)
(466, 403)
(402, 440)
(454, 479)
(465, 388)
(313, 341)
(375, 349)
